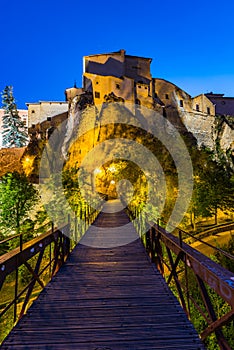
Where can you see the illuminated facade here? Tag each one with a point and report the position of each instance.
(45, 110)
(129, 79)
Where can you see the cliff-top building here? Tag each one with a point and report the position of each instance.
(129, 78)
(223, 105)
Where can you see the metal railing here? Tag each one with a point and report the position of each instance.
(58, 244)
(187, 272)
(41, 257)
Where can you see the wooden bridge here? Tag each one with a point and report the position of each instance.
(113, 298)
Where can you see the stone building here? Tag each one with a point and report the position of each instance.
(174, 97)
(223, 105)
(44, 110)
(120, 77)
(129, 78)
(23, 114)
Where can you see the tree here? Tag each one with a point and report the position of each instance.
(224, 260)
(14, 132)
(213, 186)
(17, 197)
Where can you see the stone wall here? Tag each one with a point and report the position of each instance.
(227, 137)
(41, 111)
(201, 104)
(202, 127)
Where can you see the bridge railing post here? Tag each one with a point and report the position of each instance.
(158, 249)
(153, 238)
(21, 241)
(16, 291)
(75, 229)
(180, 238)
(69, 236)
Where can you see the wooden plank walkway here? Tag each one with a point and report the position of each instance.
(106, 299)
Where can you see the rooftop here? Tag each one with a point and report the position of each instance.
(40, 102)
(120, 52)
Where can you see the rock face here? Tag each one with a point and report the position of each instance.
(202, 129)
(205, 130)
(227, 137)
(10, 160)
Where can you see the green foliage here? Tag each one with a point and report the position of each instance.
(221, 308)
(14, 132)
(224, 260)
(55, 204)
(17, 197)
(213, 184)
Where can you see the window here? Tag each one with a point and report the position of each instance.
(167, 97)
(96, 82)
(33, 111)
(117, 86)
(208, 110)
(97, 94)
(146, 88)
(197, 108)
(139, 86)
(181, 103)
(49, 119)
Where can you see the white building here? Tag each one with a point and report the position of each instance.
(41, 111)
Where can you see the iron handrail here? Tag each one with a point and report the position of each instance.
(173, 257)
(228, 255)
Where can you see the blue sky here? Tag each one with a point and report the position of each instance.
(43, 42)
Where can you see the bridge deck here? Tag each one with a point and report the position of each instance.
(106, 299)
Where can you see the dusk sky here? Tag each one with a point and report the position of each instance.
(43, 42)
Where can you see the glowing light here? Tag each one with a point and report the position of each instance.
(97, 171)
(27, 163)
(112, 182)
(112, 168)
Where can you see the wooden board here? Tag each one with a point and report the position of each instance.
(106, 299)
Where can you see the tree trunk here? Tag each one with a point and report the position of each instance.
(216, 216)
(192, 220)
